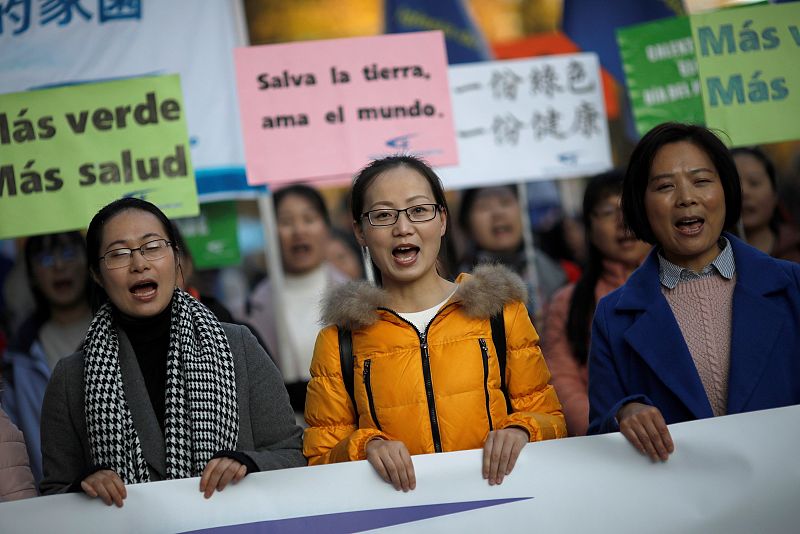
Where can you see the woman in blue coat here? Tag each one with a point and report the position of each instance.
(708, 325)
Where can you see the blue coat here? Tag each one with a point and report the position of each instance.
(639, 354)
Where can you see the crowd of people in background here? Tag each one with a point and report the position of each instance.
(673, 296)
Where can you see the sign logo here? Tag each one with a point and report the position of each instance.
(401, 142)
(568, 158)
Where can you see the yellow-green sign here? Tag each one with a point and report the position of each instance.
(749, 64)
(66, 152)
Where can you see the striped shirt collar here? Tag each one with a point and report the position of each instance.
(670, 274)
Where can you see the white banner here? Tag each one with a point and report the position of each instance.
(46, 43)
(729, 474)
(527, 119)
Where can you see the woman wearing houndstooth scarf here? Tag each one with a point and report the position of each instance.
(160, 389)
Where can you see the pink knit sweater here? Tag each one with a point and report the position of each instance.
(703, 309)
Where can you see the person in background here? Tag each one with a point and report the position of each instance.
(304, 233)
(764, 227)
(185, 277)
(160, 389)
(708, 325)
(185, 281)
(16, 479)
(426, 375)
(613, 254)
(58, 277)
(490, 218)
(344, 253)
(560, 243)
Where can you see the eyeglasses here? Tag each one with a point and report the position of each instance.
(608, 212)
(122, 257)
(415, 214)
(48, 259)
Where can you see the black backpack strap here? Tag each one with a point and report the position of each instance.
(347, 362)
(498, 324)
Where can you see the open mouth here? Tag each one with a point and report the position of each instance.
(749, 210)
(690, 225)
(62, 285)
(144, 290)
(300, 248)
(501, 230)
(405, 254)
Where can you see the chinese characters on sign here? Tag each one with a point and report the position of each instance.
(528, 119)
(546, 81)
(17, 16)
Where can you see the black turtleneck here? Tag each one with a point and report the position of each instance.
(149, 337)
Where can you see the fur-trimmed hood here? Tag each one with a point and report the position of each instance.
(355, 304)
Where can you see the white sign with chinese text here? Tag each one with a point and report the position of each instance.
(733, 474)
(528, 119)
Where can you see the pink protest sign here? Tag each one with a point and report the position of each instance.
(321, 108)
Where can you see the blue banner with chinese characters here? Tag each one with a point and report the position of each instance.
(49, 43)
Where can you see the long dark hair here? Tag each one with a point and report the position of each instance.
(368, 174)
(776, 220)
(38, 244)
(94, 238)
(583, 301)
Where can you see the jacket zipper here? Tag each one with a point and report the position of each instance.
(370, 400)
(426, 373)
(485, 354)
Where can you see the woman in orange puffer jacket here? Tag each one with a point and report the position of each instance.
(425, 371)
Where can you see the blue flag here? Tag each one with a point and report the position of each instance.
(464, 41)
(592, 24)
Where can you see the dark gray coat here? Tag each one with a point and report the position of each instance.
(268, 433)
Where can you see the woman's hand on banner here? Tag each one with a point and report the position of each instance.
(107, 485)
(644, 426)
(218, 473)
(500, 452)
(392, 461)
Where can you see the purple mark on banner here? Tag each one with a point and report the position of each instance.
(345, 522)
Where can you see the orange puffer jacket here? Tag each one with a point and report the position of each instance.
(436, 391)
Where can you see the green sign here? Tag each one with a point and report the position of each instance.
(67, 152)
(211, 237)
(749, 61)
(661, 72)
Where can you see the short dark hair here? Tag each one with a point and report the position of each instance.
(638, 173)
(368, 174)
(307, 192)
(94, 237)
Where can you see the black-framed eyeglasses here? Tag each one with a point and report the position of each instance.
(64, 255)
(388, 216)
(122, 257)
(608, 212)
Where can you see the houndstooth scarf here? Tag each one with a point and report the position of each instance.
(202, 414)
